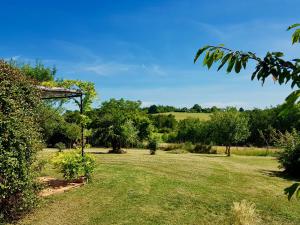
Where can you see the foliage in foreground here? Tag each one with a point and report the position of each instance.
(19, 142)
(289, 158)
(272, 65)
(73, 165)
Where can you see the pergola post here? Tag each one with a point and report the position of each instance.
(82, 128)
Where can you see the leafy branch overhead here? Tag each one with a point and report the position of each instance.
(272, 65)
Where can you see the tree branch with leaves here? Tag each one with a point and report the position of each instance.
(271, 65)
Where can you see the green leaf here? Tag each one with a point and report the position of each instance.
(290, 102)
(224, 60)
(296, 36)
(231, 64)
(281, 78)
(278, 54)
(238, 66)
(210, 60)
(218, 55)
(206, 58)
(251, 54)
(292, 98)
(200, 51)
(244, 60)
(290, 191)
(296, 60)
(293, 26)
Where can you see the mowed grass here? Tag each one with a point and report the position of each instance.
(248, 151)
(137, 188)
(184, 115)
(235, 150)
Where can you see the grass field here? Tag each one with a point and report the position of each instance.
(248, 151)
(243, 151)
(183, 115)
(136, 188)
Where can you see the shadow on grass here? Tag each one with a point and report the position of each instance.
(97, 153)
(110, 151)
(281, 174)
(211, 155)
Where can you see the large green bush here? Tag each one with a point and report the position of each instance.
(228, 128)
(72, 165)
(19, 142)
(289, 157)
(120, 123)
(192, 130)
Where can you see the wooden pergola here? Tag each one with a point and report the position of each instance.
(60, 93)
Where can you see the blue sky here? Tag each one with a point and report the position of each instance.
(143, 50)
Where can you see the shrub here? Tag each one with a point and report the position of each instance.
(60, 146)
(169, 137)
(39, 165)
(164, 123)
(192, 130)
(19, 142)
(142, 145)
(188, 146)
(152, 146)
(204, 149)
(244, 213)
(72, 165)
(169, 147)
(87, 146)
(289, 157)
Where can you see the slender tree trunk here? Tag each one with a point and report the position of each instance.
(228, 151)
(116, 147)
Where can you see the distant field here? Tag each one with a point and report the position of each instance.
(184, 115)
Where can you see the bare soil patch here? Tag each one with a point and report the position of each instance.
(55, 186)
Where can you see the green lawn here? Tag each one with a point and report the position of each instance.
(136, 188)
(183, 115)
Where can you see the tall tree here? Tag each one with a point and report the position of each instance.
(120, 123)
(228, 128)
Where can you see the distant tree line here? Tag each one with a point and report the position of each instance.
(196, 108)
(123, 123)
(261, 123)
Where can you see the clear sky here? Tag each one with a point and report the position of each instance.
(143, 50)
